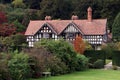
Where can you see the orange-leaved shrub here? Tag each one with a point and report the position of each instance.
(79, 45)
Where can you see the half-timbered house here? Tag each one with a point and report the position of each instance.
(92, 30)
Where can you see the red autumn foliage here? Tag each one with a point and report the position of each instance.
(79, 45)
(3, 18)
(7, 30)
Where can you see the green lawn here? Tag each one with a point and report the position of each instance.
(87, 75)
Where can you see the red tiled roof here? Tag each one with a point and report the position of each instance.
(95, 27)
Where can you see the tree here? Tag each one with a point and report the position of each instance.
(19, 27)
(5, 1)
(16, 14)
(18, 3)
(55, 9)
(3, 18)
(79, 45)
(7, 30)
(32, 4)
(116, 28)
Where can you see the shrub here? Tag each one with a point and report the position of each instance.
(82, 62)
(79, 45)
(19, 67)
(95, 55)
(98, 64)
(57, 67)
(114, 67)
(38, 60)
(108, 49)
(116, 58)
(63, 57)
(4, 73)
(62, 50)
(41, 60)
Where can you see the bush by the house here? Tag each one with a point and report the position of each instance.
(108, 49)
(116, 58)
(41, 60)
(18, 66)
(82, 62)
(57, 67)
(63, 50)
(98, 64)
(95, 55)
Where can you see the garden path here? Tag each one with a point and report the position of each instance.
(108, 66)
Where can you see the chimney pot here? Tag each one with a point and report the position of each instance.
(74, 17)
(48, 18)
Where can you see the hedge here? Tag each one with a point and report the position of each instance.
(94, 55)
(116, 58)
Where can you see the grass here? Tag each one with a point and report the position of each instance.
(87, 75)
(108, 61)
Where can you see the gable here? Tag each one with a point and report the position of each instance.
(46, 28)
(71, 28)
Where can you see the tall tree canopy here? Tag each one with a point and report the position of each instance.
(116, 28)
(33, 4)
(61, 9)
(56, 8)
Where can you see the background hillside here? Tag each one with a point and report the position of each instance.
(20, 12)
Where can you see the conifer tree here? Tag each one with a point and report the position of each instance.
(116, 28)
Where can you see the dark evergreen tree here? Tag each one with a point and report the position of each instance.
(32, 4)
(116, 28)
(56, 8)
(5, 1)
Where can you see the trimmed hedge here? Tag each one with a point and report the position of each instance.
(94, 55)
(116, 58)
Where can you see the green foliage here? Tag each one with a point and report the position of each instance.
(101, 9)
(108, 49)
(19, 67)
(88, 46)
(18, 3)
(62, 50)
(57, 67)
(95, 55)
(116, 28)
(82, 62)
(32, 4)
(118, 46)
(41, 60)
(60, 10)
(12, 43)
(4, 73)
(116, 58)
(19, 27)
(99, 64)
(15, 14)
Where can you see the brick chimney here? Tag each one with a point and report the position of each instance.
(74, 17)
(48, 18)
(89, 10)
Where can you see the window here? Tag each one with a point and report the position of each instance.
(46, 35)
(71, 35)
